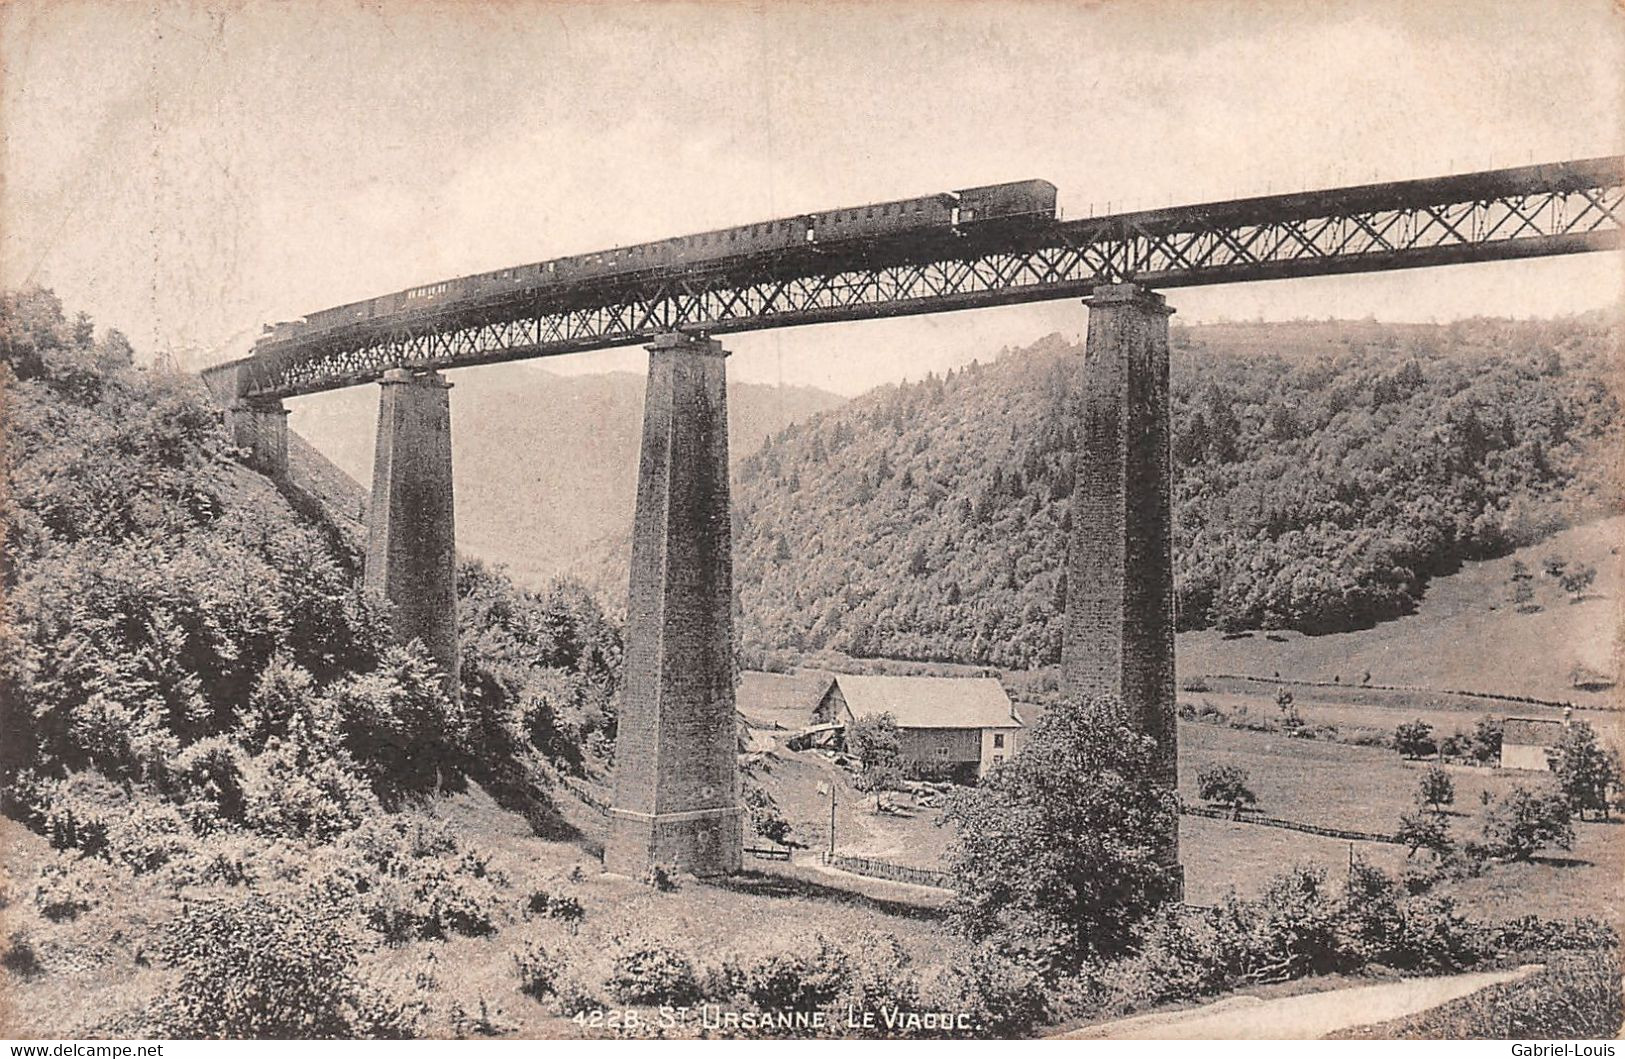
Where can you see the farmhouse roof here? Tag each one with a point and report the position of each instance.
(1532, 731)
(786, 692)
(931, 702)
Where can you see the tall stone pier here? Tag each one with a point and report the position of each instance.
(261, 427)
(676, 801)
(1118, 635)
(411, 537)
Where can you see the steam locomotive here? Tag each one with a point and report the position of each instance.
(966, 212)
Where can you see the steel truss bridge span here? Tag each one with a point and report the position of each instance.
(1531, 211)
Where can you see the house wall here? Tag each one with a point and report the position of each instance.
(1520, 756)
(941, 744)
(992, 754)
(831, 709)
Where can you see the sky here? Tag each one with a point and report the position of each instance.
(187, 171)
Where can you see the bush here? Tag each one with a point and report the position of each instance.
(1225, 785)
(880, 974)
(646, 971)
(564, 907)
(1523, 821)
(410, 879)
(806, 973)
(20, 957)
(294, 790)
(539, 971)
(1291, 930)
(65, 889)
(1002, 998)
(1537, 934)
(272, 966)
(1575, 997)
(148, 836)
(1414, 739)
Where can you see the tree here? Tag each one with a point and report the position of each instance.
(1429, 831)
(1586, 773)
(1576, 581)
(1522, 821)
(1225, 785)
(1486, 740)
(1055, 852)
(1289, 709)
(874, 741)
(1436, 790)
(1523, 593)
(1414, 739)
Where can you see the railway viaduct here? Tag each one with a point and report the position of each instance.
(676, 799)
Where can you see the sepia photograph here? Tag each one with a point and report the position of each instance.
(613, 520)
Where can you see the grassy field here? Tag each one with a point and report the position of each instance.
(1331, 784)
(1464, 635)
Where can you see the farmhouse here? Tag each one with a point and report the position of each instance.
(1525, 740)
(958, 726)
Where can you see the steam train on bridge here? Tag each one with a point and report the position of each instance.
(962, 212)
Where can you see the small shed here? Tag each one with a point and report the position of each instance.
(1525, 741)
(952, 726)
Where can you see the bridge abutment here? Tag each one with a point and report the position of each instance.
(260, 427)
(676, 801)
(411, 536)
(1118, 634)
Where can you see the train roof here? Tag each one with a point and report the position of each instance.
(1033, 183)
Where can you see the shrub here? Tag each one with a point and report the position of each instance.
(805, 973)
(1414, 739)
(647, 971)
(880, 974)
(1225, 785)
(148, 836)
(1575, 997)
(1002, 998)
(1523, 821)
(293, 790)
(538, 970)
(1423, 830)
(272, 966)
(660, 877)
(1436, 789)
(20, 957)
(64, 889)
(1291, 930)
(1537, 934)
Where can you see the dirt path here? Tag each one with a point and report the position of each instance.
(1306, 1017)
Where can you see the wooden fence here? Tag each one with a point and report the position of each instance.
(1290, 825)
(881, 869)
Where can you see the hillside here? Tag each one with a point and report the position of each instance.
(1465, 633)
(545, 464)
(1325, 474)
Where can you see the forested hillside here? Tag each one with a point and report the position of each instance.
(1323, 473)
(196, 699)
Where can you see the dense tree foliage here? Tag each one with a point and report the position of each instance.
(1323, 473)
(1054, 857)
(171, 622)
